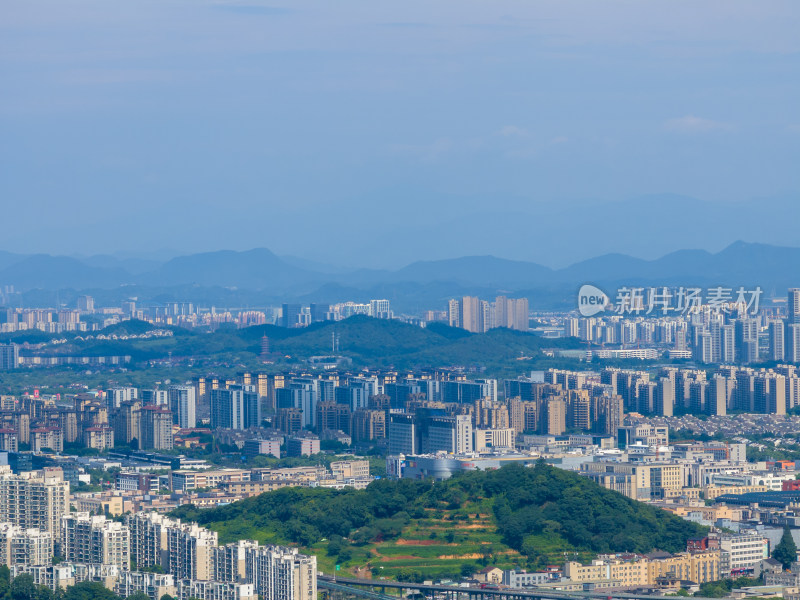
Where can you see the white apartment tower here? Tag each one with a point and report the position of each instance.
(182, 403)
(191, 551)
(30, 547)
(282, 573)
(34, 500)
(89, 538)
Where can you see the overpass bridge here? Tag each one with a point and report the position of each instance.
(348, 588)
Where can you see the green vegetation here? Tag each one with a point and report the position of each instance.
(363, 340)
(772, 453)
(723, 587)
(406, 529)
(786, 550)
(24, 588)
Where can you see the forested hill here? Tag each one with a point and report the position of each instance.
(535, 514)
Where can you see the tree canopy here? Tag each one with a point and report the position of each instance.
(532, 507)
(786, 550)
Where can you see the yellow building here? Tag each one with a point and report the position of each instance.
(701, 567)
(637, 570)
(712, 491)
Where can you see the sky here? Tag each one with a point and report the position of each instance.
(377, 133)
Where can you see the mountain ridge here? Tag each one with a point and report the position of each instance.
(260, 269)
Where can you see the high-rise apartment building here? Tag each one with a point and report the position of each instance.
(9, 440)
(99, 438)
(235, 407)
(511, 313)
(747, 340)
(34, 499)
(148, 539)
(127, 422)
(183, 403)
(777, 340)
(203, 569)
(9, 357)
(68, 421)
(20, 546)
(154, 397)
(769, 393)
(454, 313)
(116, 396)
(280, 573)
(191, 551)
(333, 417)
(792, 341)
(473, 314)
(380, 309)
(156, 428)
(43, 438)
(89, 538)
(85, 304)
(553, 417)
(793, 306)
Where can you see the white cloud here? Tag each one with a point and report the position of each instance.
(692, 124)
(513, 131)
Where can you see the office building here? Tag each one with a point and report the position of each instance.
(290, 315)
(403, 434)
(451, 434)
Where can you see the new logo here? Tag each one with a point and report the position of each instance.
(591, 300)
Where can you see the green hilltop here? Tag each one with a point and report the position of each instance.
(364, 340)
(514, 517)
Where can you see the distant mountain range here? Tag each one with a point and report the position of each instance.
(273, 277)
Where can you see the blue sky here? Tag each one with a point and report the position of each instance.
(376, 133)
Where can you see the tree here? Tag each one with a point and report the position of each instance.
(138, 596)
(23, 588)
(89, 590)
(786, 550)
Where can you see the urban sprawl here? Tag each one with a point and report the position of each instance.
(705, 427)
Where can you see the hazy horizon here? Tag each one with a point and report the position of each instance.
(373, 135)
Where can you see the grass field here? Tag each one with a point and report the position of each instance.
(446, 544)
